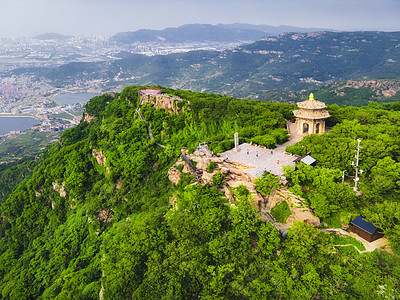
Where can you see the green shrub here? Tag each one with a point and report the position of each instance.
(281, 212)
(226, 145)
(247, 132)
(229, 144)
(281, 135)
(185, 179)
(265, 140)
(266, 183)
(213, 145)
(218, 150)
(211, 166)
(218, 179)
(242, 192)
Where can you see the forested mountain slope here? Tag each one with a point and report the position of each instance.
(348, 92)
(291, 61)
(95, 218)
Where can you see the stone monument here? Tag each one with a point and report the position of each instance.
(236, 136)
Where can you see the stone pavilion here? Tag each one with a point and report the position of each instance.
(310, 118)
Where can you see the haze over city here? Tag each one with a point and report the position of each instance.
(90, 17)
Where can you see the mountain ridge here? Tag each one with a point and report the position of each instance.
(52, 36)
(290, 61)
(205, 32)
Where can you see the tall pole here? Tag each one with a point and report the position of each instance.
(343, 176)
(357, 158)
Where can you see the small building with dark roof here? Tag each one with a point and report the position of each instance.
(307, 159)
(365, 229)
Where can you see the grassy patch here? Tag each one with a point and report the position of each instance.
(78, 113)
(348, 251)
(62, 116)
(345, 240)
(336, 220)
(281, 212)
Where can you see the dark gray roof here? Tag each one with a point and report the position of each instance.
(301, 157)
(364, 225)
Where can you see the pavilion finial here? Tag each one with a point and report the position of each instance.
(311, 97)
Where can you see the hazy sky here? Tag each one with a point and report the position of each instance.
(107, 17)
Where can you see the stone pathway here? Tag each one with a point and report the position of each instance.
(260, 159)
(148, 126)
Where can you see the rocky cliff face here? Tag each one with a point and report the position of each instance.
(165, 102)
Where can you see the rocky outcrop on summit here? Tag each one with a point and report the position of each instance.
(166, 102)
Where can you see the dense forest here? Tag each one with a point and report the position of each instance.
(92, 217)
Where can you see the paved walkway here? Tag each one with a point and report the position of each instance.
(261, 159)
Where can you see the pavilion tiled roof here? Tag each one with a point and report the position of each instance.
(311, 109)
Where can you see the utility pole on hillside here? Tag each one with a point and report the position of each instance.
(357, 161)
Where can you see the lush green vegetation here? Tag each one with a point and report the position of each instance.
(281, 212)
(377, 127)
(266, 183)
(95, 216)
(27, 144)
(11, 174)
(262, 123)
(241, 193)
(211, 166)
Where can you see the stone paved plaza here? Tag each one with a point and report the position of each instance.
(265, 160)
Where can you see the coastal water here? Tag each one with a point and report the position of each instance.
(69, 98)
(8, 124)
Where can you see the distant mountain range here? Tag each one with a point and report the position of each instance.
(291, 61)
(206, 32)
(52, 36)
